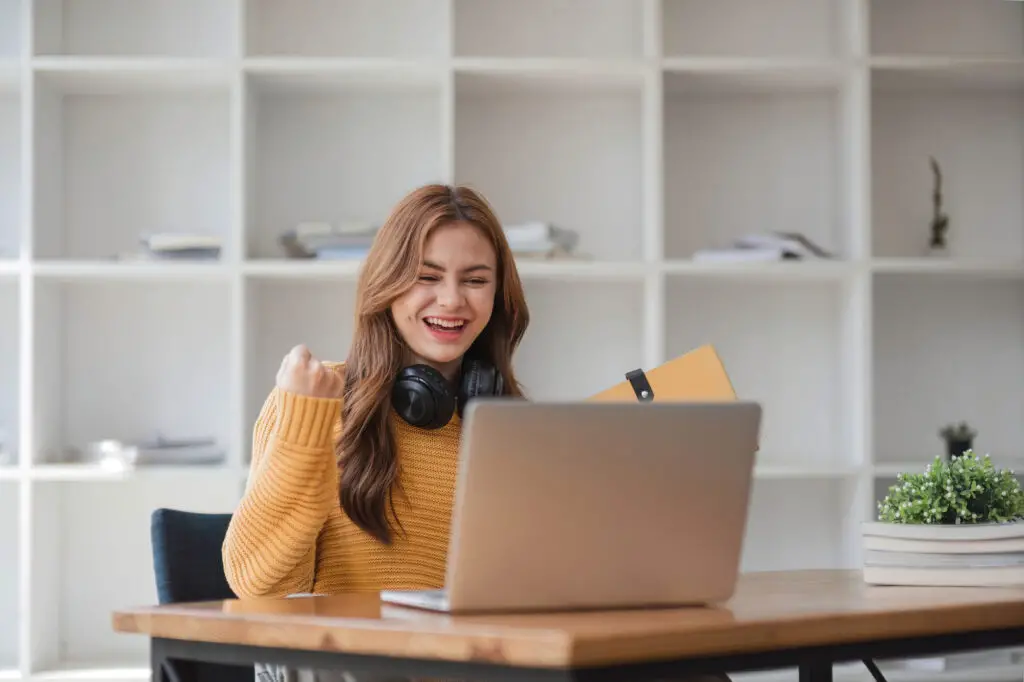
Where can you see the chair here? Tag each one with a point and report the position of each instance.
(188, 567)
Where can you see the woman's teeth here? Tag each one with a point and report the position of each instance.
(445, 324)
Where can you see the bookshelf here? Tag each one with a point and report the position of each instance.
(654, 128)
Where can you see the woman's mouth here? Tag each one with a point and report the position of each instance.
(445, 328)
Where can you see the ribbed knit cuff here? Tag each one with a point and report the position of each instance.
(305, 421)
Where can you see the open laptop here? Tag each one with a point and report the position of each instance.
(577, 505)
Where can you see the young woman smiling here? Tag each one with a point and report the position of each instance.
(353, 463)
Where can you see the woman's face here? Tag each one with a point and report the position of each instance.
(452, 300)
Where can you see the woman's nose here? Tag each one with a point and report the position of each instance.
(449, 295)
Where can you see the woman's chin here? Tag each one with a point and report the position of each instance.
(442, 354)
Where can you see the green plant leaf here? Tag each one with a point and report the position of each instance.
(966, 489)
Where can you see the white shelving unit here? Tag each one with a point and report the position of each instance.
(654, 128)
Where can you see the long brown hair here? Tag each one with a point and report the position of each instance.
(366, 451)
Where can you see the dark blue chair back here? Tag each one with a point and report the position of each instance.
(188, 567)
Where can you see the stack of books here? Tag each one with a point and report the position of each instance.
(969, 555)
(539, 239)
(762, 248)
(324, 241)
(177, 246)
(156, 451)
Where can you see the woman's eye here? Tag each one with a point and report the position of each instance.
(428, 278)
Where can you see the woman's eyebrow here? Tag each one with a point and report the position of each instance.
(472, 268)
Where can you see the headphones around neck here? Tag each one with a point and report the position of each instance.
(424, 398)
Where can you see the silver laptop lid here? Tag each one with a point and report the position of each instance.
(576, 504)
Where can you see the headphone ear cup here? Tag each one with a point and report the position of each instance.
(422, 397)
(479, 378)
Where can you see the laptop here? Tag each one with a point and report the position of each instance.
(584, 505)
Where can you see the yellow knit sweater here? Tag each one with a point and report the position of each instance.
(289, 534)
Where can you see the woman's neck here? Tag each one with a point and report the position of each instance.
(450, 370)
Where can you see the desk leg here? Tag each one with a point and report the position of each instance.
(163, 669)
(816, 672)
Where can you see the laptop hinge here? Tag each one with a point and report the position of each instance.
(641, 387)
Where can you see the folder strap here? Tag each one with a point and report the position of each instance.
(641, 386)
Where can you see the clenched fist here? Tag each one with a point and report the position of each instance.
(303, 374)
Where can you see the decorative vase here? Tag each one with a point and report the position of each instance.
(956, 447)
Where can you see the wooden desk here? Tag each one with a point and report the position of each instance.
(809, 619)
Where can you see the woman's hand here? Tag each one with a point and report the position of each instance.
(303, 374)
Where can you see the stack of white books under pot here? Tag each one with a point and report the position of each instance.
(972, 555)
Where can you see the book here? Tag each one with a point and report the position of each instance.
(965, 555)
(881, 543)
(944, 532)
(971, 576)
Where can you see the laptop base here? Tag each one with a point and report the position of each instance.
(432, 600)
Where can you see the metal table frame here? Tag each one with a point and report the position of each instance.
(814, 662)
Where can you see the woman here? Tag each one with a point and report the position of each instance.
(346, 494)
(353, 463)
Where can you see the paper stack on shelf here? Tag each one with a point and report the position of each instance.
(538, 239)
(188, 246)
(156, 451)
(324, 241)
(176, 246)
(760, 248)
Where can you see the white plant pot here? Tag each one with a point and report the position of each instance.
(965, 555)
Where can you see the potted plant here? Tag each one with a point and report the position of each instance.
(959, 438)
(959, 522)
(965, 489)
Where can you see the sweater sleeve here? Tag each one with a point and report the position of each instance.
(270, 546)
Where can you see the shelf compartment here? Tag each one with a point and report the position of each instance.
(181, 28)
(739, 134)
(546, 28)
(281, 314)
(10, 371)
(555, 148)
(968, 117)
(78, 527)
(10, 575)
(947, 27)
(324, 150)
(810, 511)
(347, 28)
(802, 28)
(121, 155)
(782, 345)
(11, 23)
(946, 351)
(583, 338)
(11, 149)
(129, 361)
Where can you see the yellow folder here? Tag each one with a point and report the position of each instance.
(696, 375)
